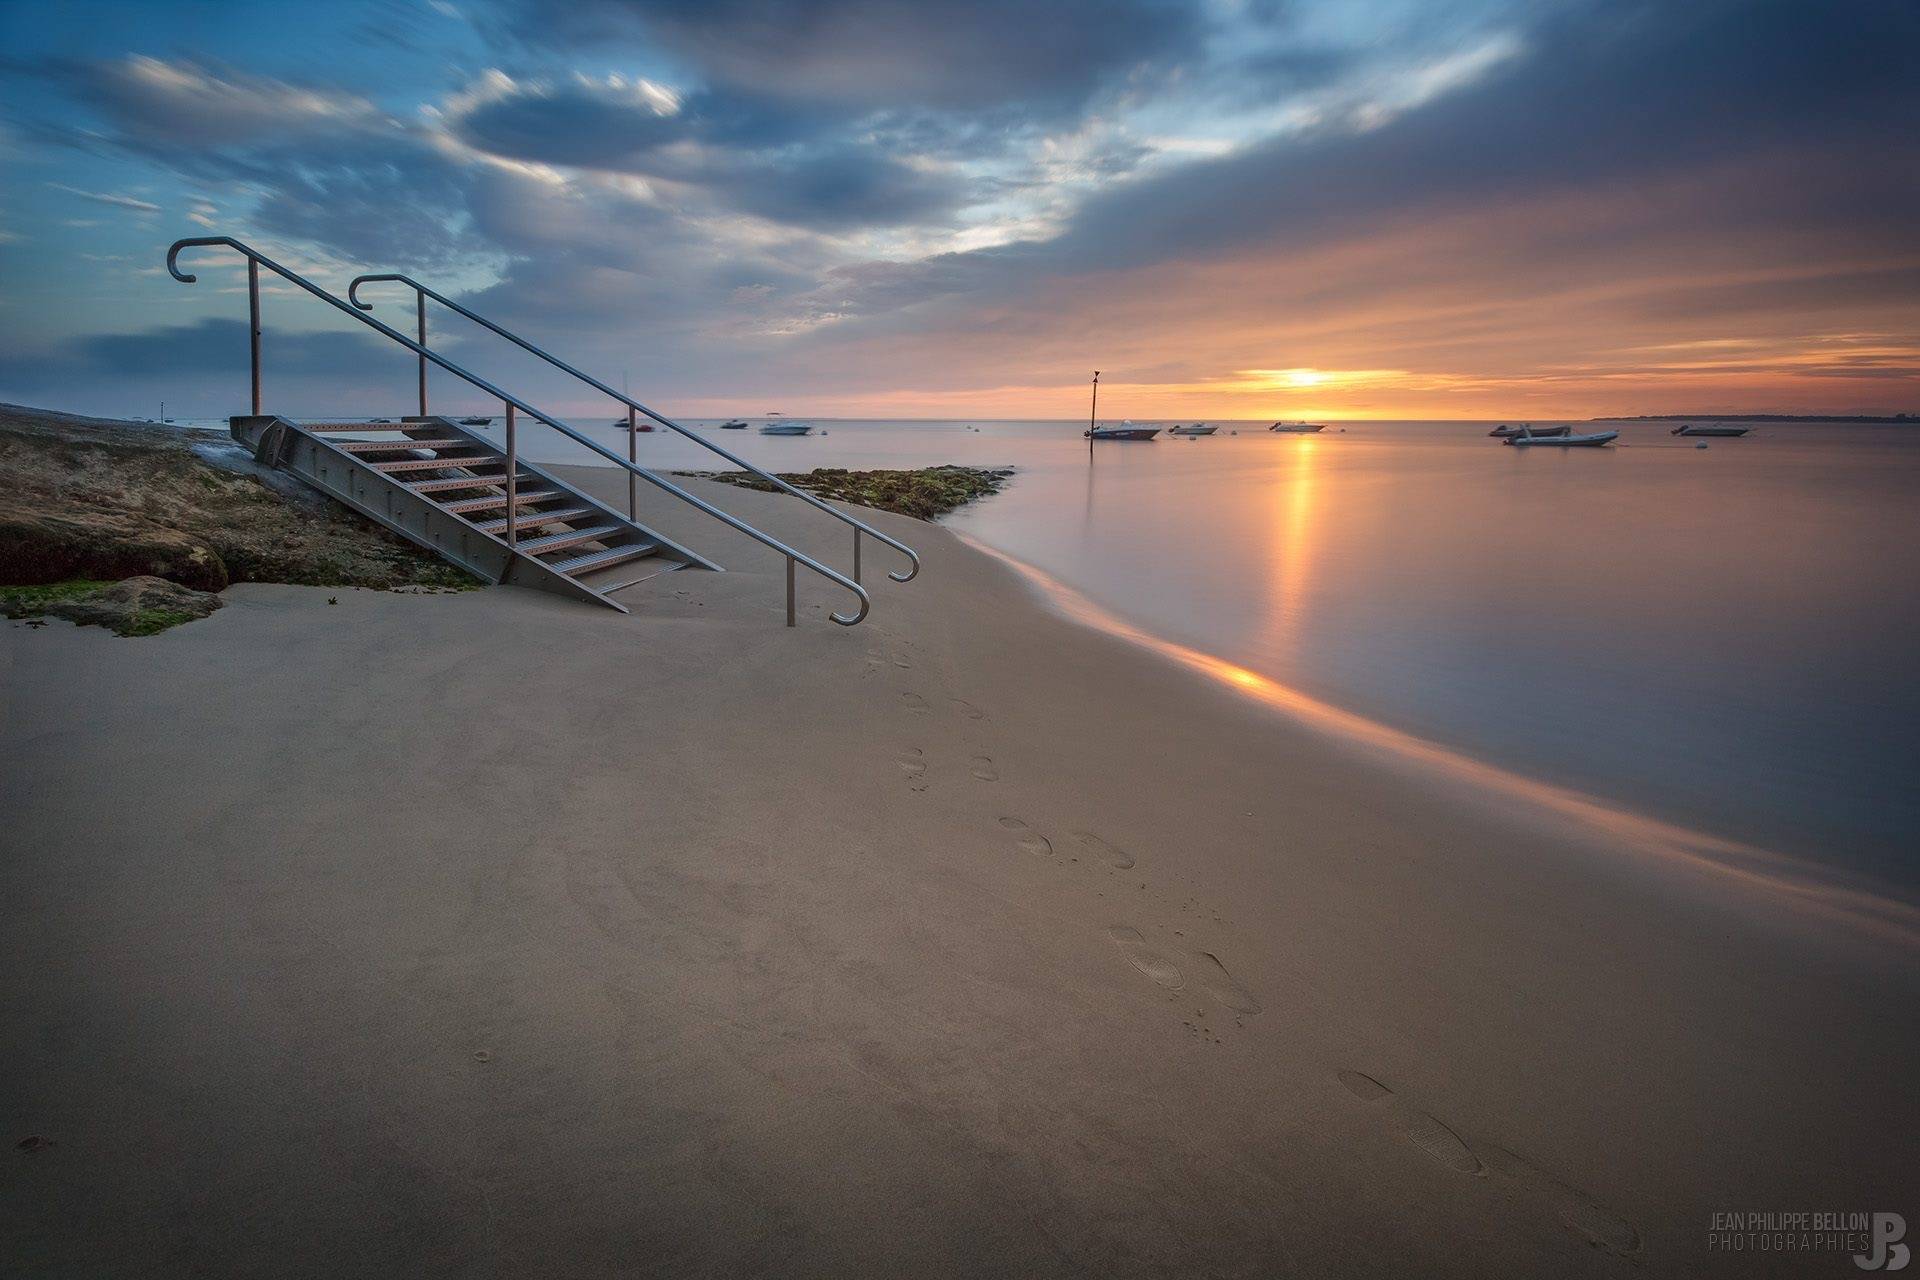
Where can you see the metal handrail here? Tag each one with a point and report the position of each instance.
(421, 291)
(256, 259)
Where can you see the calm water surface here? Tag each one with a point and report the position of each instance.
(1721, 637)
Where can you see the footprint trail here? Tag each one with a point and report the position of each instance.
(1030, 840)
(1144, 958)
(1117, 858)
(1421, 1129)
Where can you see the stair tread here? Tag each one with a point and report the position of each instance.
(465, 505)
(364, 426)
(556, 541)
(533, 519)
(391, 446)
(465, 482)
(429, 464)
(605, 559)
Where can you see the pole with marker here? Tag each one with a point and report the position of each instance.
(1092, 412)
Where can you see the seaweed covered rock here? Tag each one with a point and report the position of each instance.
(924, 494)
(140, 606)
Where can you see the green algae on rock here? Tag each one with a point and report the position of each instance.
(142, 606)
(924, 493)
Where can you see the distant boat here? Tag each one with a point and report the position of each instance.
(1504, 431)
(1694, 429)
(786, 429)
(735, 424)
(621, 423)
(1298, 427)
(1125, 431)
(1197, 429)
(1592, 439)
(475, 422)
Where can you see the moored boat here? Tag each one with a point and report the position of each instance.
(475, 421)
(734, 424)
(1701, 429)
(787, 429)
(1298, 428)
(1197, 429)
(1591, 439)
(1125, 431)
(1503, 432)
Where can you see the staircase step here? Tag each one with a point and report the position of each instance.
(604, 559)
(555, 541)
(391, 446)
(466, 482)
(364, 426)
(466, 505)
(533, 520)
(431, 464)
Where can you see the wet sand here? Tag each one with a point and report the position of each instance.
(493, 934)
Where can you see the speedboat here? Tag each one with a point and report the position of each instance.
(1692, 429)
(1298, 427)
(1125, 431)
(1197, 429)
(475, 422)
(1503, 432)
(787, 429)
(735, 424)
(1591, 439)
(621, 424)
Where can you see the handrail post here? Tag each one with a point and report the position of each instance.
(253, 325)
(513, 481)
(789, 590)
(633, 456)
(420, 314)
(856, 555)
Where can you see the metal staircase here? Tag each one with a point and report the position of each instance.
(449, 490)
(481, 505)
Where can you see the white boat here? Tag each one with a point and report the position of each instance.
(787, 429)
(1197, 429)
(1125, 431)
(1539, 432)
(1298, 428)
(1591, 439)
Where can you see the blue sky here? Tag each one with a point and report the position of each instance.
(1240, 207)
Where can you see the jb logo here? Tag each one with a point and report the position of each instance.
(1889, 1229)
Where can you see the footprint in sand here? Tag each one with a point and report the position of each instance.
(1030, 840)
(1425, 1132)
(968, 710)
(983, 769)
(913, 763)
(1218, 983)
(1105, 852)
(1599, 1226)
(1145, 958)
(915, 703)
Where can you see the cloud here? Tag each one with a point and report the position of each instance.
(108, 198)
(184, 105)
(970, 55)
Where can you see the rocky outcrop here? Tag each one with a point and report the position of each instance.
(41, 544)
(140, 606)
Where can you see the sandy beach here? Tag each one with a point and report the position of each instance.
(494, 934)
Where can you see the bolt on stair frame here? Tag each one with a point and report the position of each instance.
(256, 260)
(423, 292)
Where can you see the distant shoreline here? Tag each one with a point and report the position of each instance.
(1896, 420)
